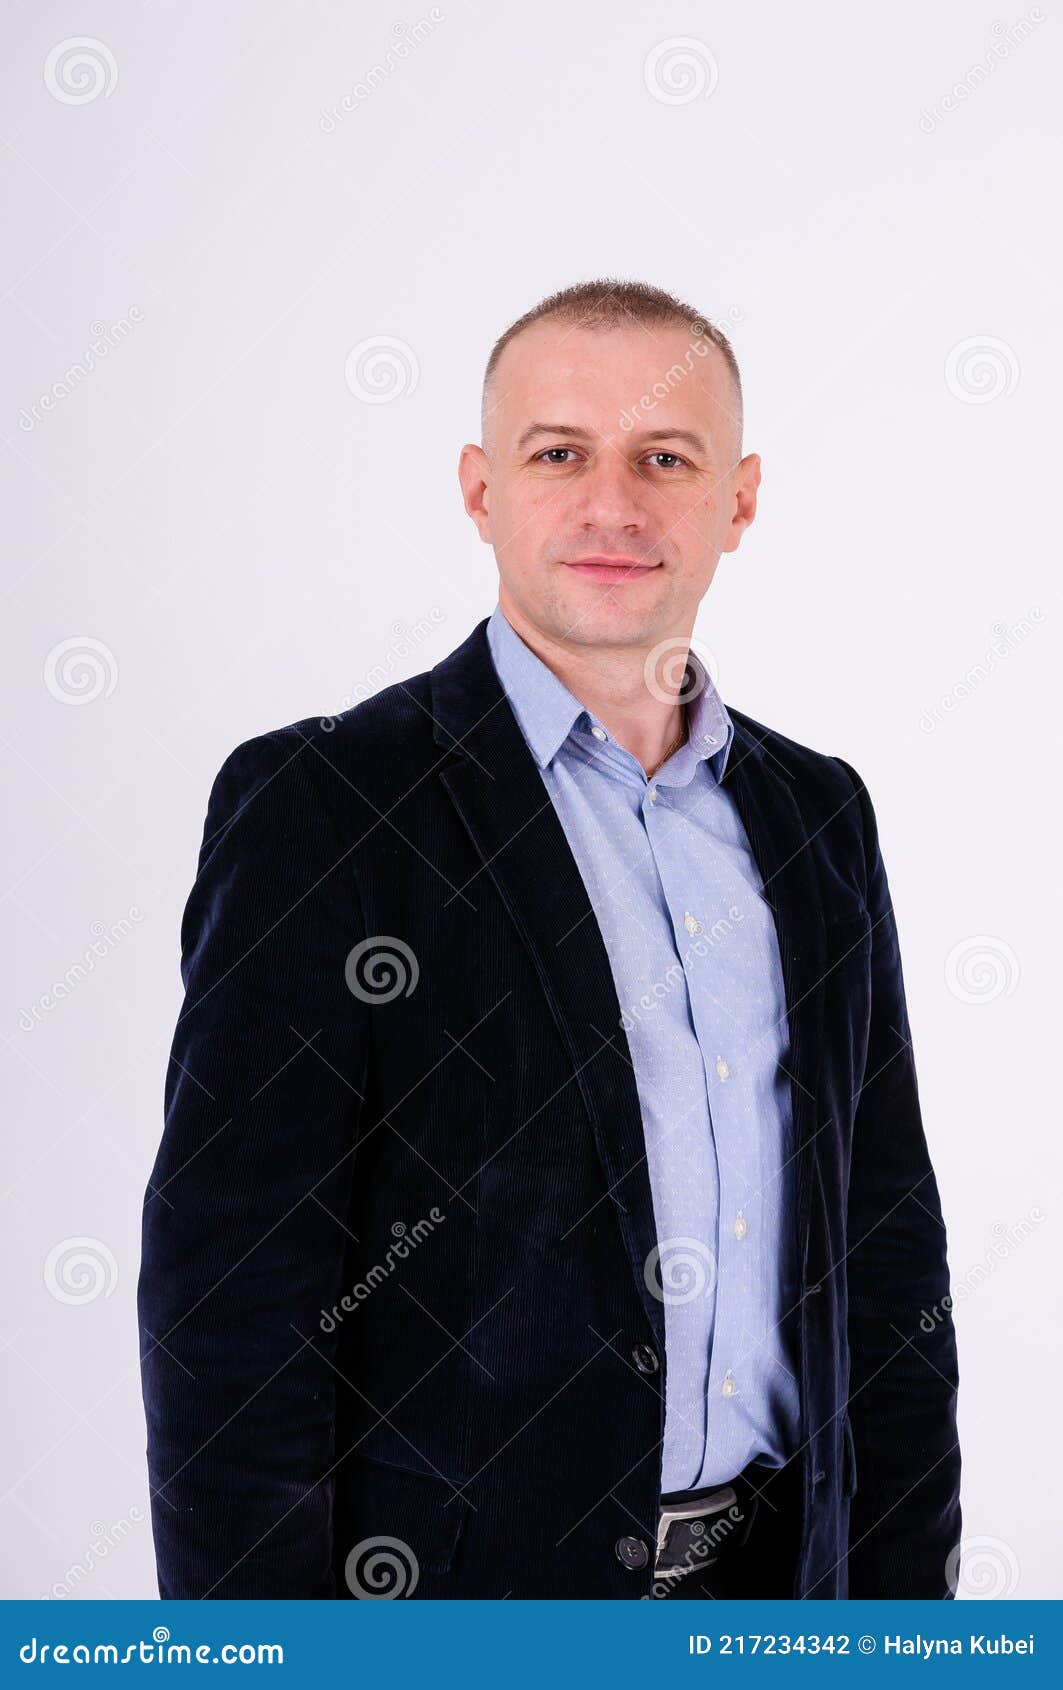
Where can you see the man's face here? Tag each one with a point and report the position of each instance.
(583, 459)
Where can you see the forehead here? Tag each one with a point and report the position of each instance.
(600, 379)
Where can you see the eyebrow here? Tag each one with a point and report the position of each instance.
(686, 435)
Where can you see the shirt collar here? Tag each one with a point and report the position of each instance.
(547, 712)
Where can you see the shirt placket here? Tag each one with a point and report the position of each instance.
(738, 1239)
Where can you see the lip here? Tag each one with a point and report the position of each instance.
(600, 567)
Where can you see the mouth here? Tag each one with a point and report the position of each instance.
(613, 569)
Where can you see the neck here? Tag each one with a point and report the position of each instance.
(610, 681)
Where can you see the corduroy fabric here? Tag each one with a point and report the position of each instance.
(456, 1150)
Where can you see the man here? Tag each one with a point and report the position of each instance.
(544, 1207)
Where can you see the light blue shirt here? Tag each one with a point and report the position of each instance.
(695, 961)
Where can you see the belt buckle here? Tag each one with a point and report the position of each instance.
(669, 1513)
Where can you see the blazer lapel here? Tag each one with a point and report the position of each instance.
(762, 787)
(495, 786)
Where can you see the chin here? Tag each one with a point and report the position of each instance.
(597, 624)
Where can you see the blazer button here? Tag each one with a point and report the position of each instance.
(632, 1553)
(645, 1359)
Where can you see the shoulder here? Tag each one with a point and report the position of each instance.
(830, 794)
(396, 715)
(364, 758)
(815, 775)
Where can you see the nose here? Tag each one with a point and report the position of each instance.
(610, 494)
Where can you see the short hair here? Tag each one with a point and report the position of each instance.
(608, 303)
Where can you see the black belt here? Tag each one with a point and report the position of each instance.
(696, 1528)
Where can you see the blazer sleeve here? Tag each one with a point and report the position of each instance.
(244, 1215)
(904, 1521)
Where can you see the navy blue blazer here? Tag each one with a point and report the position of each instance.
(394, 1241)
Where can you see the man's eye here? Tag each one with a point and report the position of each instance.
(563, 454)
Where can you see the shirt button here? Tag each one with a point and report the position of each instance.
(653, 795)
(722, 1068)
(632, 1553)
(740, 1226)
(691, 923)
(599, 733)
(730, 1385)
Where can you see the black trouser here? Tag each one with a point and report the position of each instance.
(748, 1551)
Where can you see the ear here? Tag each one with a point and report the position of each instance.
(746, 483)
(474, 475)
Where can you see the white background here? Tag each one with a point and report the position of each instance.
(244, 541)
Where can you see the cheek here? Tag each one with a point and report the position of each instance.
(530, 512)
(522, 521)
(692, 513)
